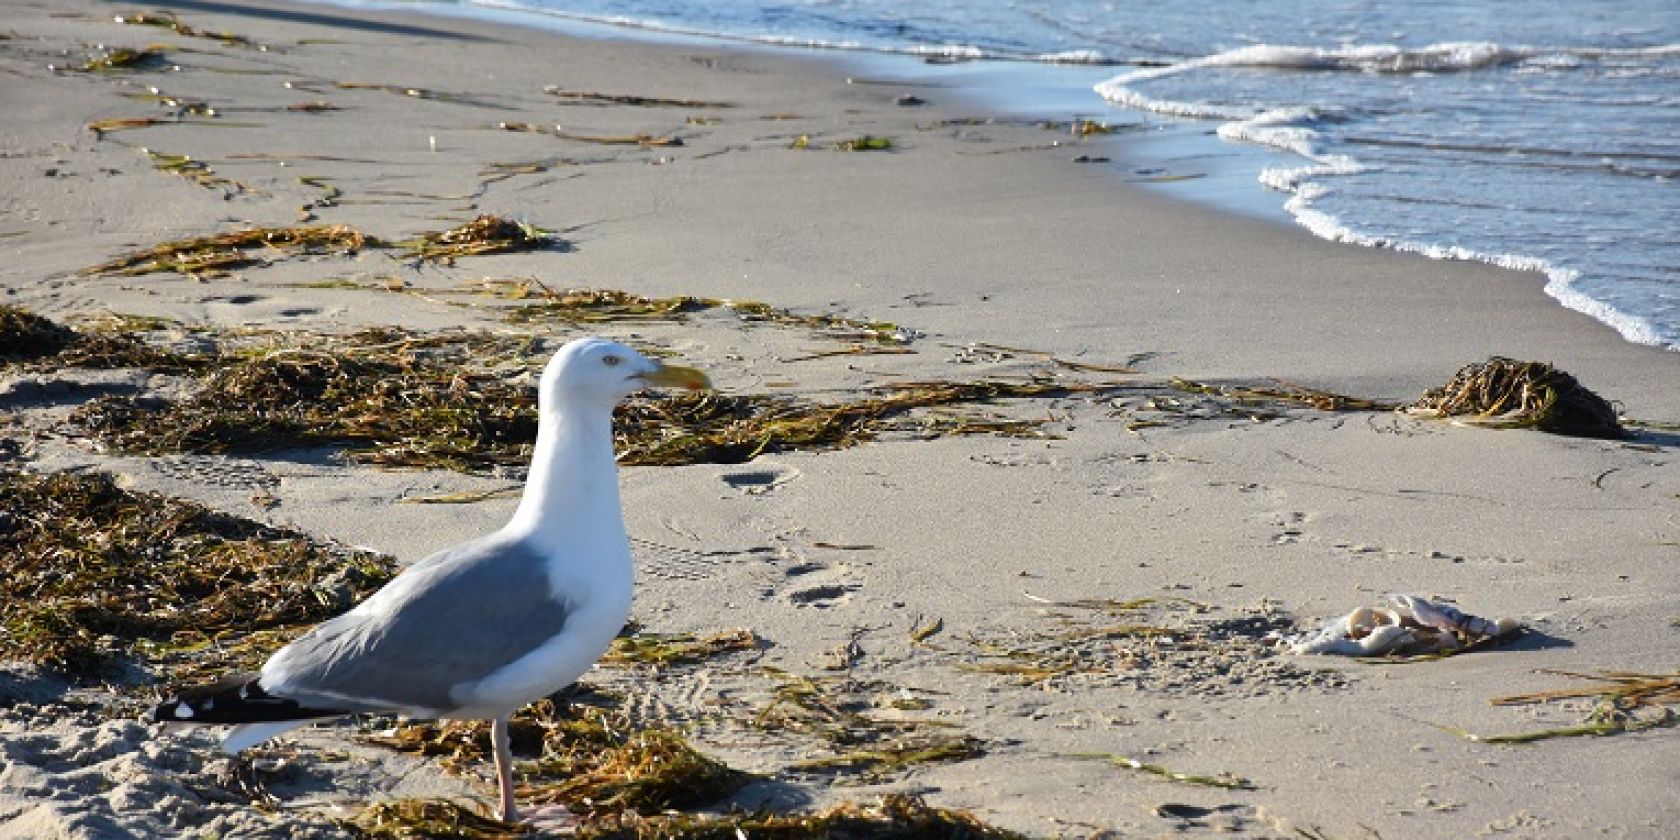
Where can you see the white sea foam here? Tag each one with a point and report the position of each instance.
(1560, 282)
(1295, 129)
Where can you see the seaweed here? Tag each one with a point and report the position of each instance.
(832, 709)
(588, 98)
(26, 337)
(330, 194)
(100, 128)
(169, 21)
(599, 305)
(668, 649)
(486, 234)
(596, 769)
(896, 755)
(402, 819)
(183, 107)
(1080, 128)
(403, 400)
(1284, 392)
(1507, 393)
(1223, 780)
(645, 140)
(587, 760)
(196, 171)
(213, 256)
(895, 816)
(390, 403)
(1626, 702)
(97, 574)
(728, 429)
(415, 93)
(123, 58)
(865, 143)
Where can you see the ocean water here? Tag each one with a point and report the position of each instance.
(1538, 134)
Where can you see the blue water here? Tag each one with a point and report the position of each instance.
(1538, 134)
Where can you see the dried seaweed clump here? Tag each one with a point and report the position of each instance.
(894, 817)
(596, 770)
(486, 234)
(395, 399)
(212, 256)
(434, 819)
(401, 400)
(124, 58)
(588, 761)
(842, 712)
(1509, 393)
(1282, 393)
(1626, 701)
(25, 336)
(590, 306)
(28, 337)
(730, 429)
(167, 20)
(668, 649)
(95, 572)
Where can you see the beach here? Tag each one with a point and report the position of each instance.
(969, 572)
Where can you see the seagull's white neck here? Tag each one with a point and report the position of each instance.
(572, 487)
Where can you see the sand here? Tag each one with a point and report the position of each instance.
(1001, 253)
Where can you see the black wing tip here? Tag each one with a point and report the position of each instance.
(237, 699)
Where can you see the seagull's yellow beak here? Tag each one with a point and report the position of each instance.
(675, 376)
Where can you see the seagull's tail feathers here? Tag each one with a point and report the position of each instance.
(248, 735)
(240, 700)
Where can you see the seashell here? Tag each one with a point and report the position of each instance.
(1447, 617)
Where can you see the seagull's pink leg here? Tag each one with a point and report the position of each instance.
(501, 746)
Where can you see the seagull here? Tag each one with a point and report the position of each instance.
(477, 631)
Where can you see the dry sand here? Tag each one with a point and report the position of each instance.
(971, 233)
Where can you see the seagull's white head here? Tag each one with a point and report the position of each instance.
(598, 372)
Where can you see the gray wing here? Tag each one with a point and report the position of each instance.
(467, 611)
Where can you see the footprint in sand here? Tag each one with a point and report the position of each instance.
(761, 478)
(821, 585)
(217, 472)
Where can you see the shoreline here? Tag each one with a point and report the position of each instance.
(1001, 259)
(1186, 159)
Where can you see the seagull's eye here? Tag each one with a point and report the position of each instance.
(611, 361)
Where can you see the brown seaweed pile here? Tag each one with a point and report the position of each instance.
(399, 399)
(895, 817)
(391, 397)
(587, 760)
(585, 306)
(96, 574)
(25, 336)
(124, 58)
(1514, 394)
(486, 234)
(28, 338)
(214, 256)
